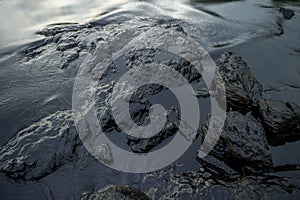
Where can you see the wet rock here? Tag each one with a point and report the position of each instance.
(242, 144)
(139, 106)
(215, 165)
(201, 93)
(287, 13)
(116, 192)
(137, 58)
(41, 148)
(265, 187)
(242, 89)
(140, 102)
(143, 145)
(55, 29)
(214, 184)
(66, 44)
(69, 56)
(281, 120)
(63, 44)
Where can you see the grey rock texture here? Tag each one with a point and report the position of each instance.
(213, 183)
(41, 148)
(242, 144)
(115, 192)
(242, 89)
(280, 119)
(244, 94)
(287, 13)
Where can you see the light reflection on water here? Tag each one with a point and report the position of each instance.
(21, 18)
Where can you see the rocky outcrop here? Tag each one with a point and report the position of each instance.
(212, 183)
(252, 122)
(280, 119)
(242, 144)
(139, 107)
(244, 94)
(115, 192)
(242, 89)
(287, 13)
(41, 148)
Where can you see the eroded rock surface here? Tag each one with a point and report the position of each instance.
(242, 89)
(116, 192)
(244, 94)
(242, 144)
(213, 183)
(139, 107)
(280, 119)
(41, 148)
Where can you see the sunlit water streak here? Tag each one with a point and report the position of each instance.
(20, 19)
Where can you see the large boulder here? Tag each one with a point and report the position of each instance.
(242, 89)
(281, 120)
(41, 148)
(242, 144)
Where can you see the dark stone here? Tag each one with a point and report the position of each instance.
(287, 13)
(139, 109)
(265, 187)
(142, 145)
(214, 183)
(242, 144)
(242, 89)
(115, 192)
(64, 45)
(217, 166)
(142, 100)
(281, 120)
(41, 148)
(137, 57)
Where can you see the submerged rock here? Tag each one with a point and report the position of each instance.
(41, 148)
(242, 89)
(242, 144)
(116, 192)
(281, 120)
(287, 13)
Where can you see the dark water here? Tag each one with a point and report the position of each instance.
(253, 29)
